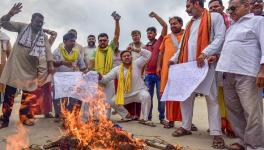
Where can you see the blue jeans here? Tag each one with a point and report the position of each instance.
(151, 80)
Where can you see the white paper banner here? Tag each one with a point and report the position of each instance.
(76, 84)
(183, 80)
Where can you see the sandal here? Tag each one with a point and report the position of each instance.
(236, 146)
(181, 132)
(194, 128)
(147, 123)
(126, 119)
(169, 125)
(218, 142)
(48, 115)
(29, 122)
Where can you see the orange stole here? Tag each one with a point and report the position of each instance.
(203, 37)
(173, 109)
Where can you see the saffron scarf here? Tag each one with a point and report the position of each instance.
(104, 60)
(203, 37)
(69, 57)
(124, 85)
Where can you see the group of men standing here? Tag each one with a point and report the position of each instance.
(232, 43)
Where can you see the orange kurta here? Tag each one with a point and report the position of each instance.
(173, 111)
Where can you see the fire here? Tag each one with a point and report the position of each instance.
(19, 140)
(97, 132)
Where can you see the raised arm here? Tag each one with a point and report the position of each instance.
(117, 29)
(13, 11)
(161, 22)
(53, 35)
(5, 20)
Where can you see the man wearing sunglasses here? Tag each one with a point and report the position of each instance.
(256, 7)
(242, 62)
(104, 58)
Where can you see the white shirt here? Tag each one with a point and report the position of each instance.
(137, 82)
(59, 57)
(89, 53)
(217, 36)
(243, 49)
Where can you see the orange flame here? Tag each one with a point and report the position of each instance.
(98, 131)
(19, 140)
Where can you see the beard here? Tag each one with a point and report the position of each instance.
(175, 30)
(91, 44)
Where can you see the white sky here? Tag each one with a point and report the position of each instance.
(93, 16)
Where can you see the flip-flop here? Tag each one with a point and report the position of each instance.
(194, 128)
(124, 120)
(218, 143)
(29, 122)
(147, 123)
(169, 125)
(235, 146)
(48, 115)
(181, 132)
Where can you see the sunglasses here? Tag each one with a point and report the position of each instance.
(102, 40)
(256, 1)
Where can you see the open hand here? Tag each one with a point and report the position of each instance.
(15, 9)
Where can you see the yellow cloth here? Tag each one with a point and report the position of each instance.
(123, 86)
(69, 57)
(221, 102)
(104, 60)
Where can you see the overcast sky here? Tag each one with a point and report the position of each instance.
(94, 16)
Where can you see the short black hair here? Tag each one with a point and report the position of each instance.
(179, 19)
(153, 29)
(102, 35)
(91, 35)
(37, 15)
(72, 30)
(219, 1)
(69, 36)
(201, 2)
(135, 32)
(125, 52)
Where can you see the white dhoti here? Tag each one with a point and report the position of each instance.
(109, 91)
(212, 107)
(141, 96)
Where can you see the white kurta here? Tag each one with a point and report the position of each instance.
(138, 91)
(217, 35)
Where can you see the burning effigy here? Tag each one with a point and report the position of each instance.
(91, 129)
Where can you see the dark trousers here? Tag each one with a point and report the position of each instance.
(24, 111)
